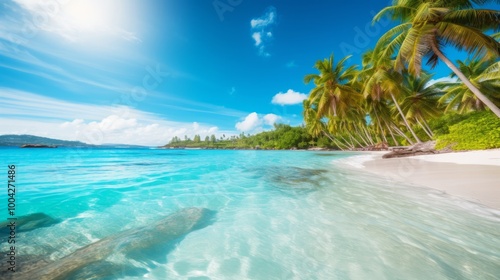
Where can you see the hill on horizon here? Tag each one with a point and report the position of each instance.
(19, 140)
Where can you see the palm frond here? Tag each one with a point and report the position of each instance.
(392, 40)
(477, 18)
(470, 39)
(394, 12)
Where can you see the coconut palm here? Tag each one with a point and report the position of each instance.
(485, 75)
(333, 95)
(428, 25)
(421, 100)
(382, 82)
(315, 126)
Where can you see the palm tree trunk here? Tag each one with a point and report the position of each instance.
(403, 135)
(339, 144)
(392, 135)
(466, 81)
(347, 143)
(354, 138)
(368, 135)
(404, 119)
(327, 135)
(423, 128)
(428, 128)
(352, 144)
(380, 126)
(361, 136)
(335, 141)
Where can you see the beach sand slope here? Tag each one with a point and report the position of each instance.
(474, 176)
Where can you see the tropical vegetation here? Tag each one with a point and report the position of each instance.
(474, 131)
(391, 98)
(282, 137)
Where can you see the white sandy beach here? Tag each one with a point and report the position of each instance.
(474, 175)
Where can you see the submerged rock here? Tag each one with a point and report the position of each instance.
(29, 222)
(23, 263)
(106, 270)
(290, 178)
(165, 230)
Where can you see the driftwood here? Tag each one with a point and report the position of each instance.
(425, 148)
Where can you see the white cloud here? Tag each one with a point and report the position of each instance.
(254, 122)
(250, 123)
(28, 113)
(116, 129)
(196, 126)
(113, 123)
(213, 130)
(261, 29)
(291, 97)
(271, 119)
(257, 37)
(264, 20)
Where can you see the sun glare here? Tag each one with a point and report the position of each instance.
(85, 15)
(90, 15)
(94, 23)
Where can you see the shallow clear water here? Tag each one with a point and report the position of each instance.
(279, 215)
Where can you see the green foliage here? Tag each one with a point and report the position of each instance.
(474, 131)
(441, 126)
(282, 137)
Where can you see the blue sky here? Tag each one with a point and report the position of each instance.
(141, 72)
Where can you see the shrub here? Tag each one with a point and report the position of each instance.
(479, 130)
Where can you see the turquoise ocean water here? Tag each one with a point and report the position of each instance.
(278, 215)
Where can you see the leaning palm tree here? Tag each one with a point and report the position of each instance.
(485, 75)
(382, 81)
(314, 126)
(428, 25)
(420, 102)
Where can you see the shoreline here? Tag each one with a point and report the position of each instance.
(472, 175)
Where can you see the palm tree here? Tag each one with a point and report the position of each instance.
(333, 95)
(315, 126)
(382, 81)
(380, 114)
(421, 100)
(485, 75)
(428, 25)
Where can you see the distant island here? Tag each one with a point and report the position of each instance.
(32, 141)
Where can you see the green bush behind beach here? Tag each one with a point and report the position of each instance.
(473, 131)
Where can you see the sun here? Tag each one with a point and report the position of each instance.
(96, 22)
(89, 15)
(89, 24)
